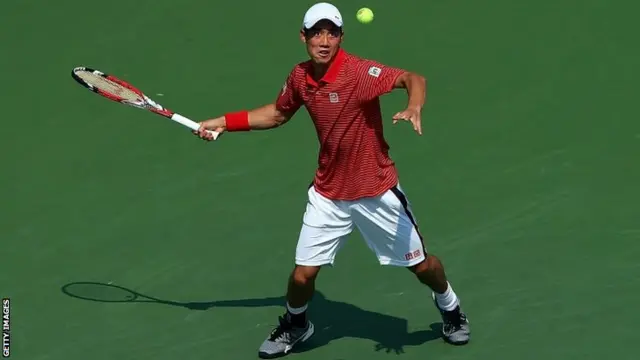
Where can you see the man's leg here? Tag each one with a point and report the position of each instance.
(325, 225)
(299, 292)
(431, 273)
(455, 326)
(389, 227)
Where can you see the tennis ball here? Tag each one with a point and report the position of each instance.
(364, 15)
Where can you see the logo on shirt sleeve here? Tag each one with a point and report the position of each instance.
(284, 88)
(375, 71)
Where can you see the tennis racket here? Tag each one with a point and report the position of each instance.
(121, 91)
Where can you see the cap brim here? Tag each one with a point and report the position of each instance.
(312, 23)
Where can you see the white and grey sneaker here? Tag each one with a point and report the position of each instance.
(455, 325)
(283, 338)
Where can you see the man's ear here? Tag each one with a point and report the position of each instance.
(303, 37)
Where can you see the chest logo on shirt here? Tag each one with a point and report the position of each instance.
(375, 71)
(333, 97)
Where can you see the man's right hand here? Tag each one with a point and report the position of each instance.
(218, 125)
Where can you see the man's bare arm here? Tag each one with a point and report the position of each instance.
(416, 86)
(267, 117)
(262, 118)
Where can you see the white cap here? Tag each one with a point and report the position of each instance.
(321, 11)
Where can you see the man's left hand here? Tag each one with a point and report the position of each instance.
(412, 115)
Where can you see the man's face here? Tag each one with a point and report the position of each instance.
(323, 41)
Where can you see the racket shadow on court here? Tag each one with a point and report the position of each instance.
(333, 320)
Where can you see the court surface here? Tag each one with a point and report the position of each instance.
(525, 182)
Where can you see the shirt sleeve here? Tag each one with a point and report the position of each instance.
(289, 100)
(377, 79)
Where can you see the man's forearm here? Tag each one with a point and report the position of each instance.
(262, 118)
(266, 117)
(416, 86)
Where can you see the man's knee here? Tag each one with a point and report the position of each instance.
(303, 275)
(428, 265)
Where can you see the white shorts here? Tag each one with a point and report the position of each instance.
(385, 222)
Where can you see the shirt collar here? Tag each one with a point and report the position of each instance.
(332, 71)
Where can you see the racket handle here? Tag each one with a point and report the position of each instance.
(191, 124)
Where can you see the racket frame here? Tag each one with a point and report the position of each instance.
(145, 102)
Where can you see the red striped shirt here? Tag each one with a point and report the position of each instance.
(344, 105)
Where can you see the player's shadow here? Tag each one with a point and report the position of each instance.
(332, 319)
(335, 320)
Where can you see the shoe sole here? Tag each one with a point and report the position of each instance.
(306, 337)
(455, 343)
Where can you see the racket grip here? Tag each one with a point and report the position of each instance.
(191, 124)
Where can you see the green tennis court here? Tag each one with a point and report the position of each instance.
(525, 182)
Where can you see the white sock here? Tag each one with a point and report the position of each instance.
(296, 311)
(448, 300)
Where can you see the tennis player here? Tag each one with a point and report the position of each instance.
(356, 182)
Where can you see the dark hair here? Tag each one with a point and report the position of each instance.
(308, 31)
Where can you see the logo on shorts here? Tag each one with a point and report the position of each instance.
(333, 97)
(413, 255)
(375, 71)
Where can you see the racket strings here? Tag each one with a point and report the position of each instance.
(106, 85)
